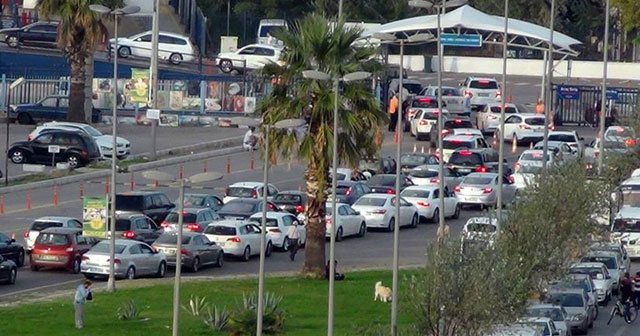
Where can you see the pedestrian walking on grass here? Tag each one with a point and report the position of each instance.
(294, 237)
(83, 293)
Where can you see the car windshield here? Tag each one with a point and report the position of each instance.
(91, 131)
(574, 283)
(451, 92)
(455, 144)
(562, 137)
(371, 201)
(531, 156)
(410, 159)
(385, 180)
(172, 217)
(621, 225)
(271, 222)
(240, 192)
(481, 180)
(530, 169)
(288, 198)
(507, 109)
(479, 227)
(535, 121)
(239, 207)
(591, 271)
(41, 225)
(129, 202)
(483, 84)
(568, 299)
(423, 173)
(425, 103)
(415, 193)
(342, 189)
(54, 239)
(631, 198)
(623, 132)
(171, 239)
(103, 247)
(458, 123)
(610, 262)
(193, 200)
(465, 158)
(413, 88)
(554, 314)
(220, 230)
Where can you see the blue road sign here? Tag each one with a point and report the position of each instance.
(612, 94)
(568, 92)
(464, 40)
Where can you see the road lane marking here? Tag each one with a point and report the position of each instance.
(41, 287)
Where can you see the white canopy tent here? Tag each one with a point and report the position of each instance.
(468, 20)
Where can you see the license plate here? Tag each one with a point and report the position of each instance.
(169, 252)
(473, 199)
(464, 170)
(222, 244)
(48, 257)
(483, 95)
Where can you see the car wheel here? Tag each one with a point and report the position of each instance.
(12, 41)
(267, 252)
(13, 274)
(131, 273)
(246, 255)
(73, 160)
(597, 311)
(414, 221)
(436, 216)
(20, 259)
(363, 230)
(590, 324)
(220, 260)
(339, 234)
(392, 224)
(18, 156)
(175, 59)
(75, 267)
(456, 214)
(24, 119)
(195, 266)
(162, 270)
(124, 52)
(226, 66)
(285, 244)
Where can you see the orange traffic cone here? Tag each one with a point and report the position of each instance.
(514, 146)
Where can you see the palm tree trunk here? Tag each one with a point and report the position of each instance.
(314, 251)
(77, 64)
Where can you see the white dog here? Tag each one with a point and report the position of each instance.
(382, 292)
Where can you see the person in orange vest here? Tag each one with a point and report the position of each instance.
(393, 112)
(539, 106)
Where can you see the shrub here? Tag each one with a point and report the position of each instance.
(128, 311)
(217, 319)
(243, 320)
(196, 305)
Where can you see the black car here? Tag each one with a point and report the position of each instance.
(449, 123)
(53, 107)
(386, 183)
(292, 201)
(466, 161)
(40, 34)
(412, 160)
(243, 208)
(74, 148)
(213, 202)
(375, 166)
(8, 271)
(154, 204)
(350, 191)
(11, 250)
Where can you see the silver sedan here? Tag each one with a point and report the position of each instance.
(482, 189)
(197, 250)
(132, 259)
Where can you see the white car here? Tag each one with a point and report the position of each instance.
(600, 276)
(105, 142)
(427, 200)
(348, 174)
(250, 57)
(379, 211)
(529, 165)
(488, 118)
(429, 175)
(465, 131)
(624, 132)
(350, 221)
(546, 325)
(134, 258)
(42, 223)
(278, 224)
(481, 228)
(524, 127)
(561, 150)
(481, 90)
(172, 47)
(248, 190)
(239, 238)
(423, 121)
(554, 312)
(571, 138)
(612, 261)
(482, 189)
(452, 98)
(453, 142)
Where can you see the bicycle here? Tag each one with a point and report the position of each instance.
(624, 310)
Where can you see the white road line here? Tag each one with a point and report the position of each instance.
(40, 287)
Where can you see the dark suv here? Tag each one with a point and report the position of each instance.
(465, 161)
(156, 205)
(449, 123)
(74, 148)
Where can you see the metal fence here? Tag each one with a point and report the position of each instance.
(194, 21)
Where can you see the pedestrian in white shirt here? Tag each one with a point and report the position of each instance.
(294, 236)
(249, 142)
(83, 293)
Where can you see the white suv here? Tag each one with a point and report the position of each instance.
(248, 190)
(105, 142)
(251, 57)
(481, 90)
(172, 47)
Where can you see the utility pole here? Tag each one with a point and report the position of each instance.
(154, 72)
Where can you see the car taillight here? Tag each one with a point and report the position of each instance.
(422, 204)
(129, 234)
(164, 224)
(487, 190)
(299, 208)
(379, 211)
(423, 122)
(434, 180)
(26, 234)
(630, 142)
(185, 251)
(69, 249)
(481, 169)
(525, 126)
(391, 191)
(457, 121)
(457, 189)
(348, 192)
(498, 94)
(115, 261)
(234, 239)
(254, 193)
(464, 152)
(194, 227)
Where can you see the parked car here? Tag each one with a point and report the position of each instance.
(46, 222)
(416, 105)
(132, 259)
(292, 201)
(373, 166)
(571, 138)
(213, 202)
(248, 190)
(8, 271)
(153, 204)
(104, 142)
(197, 250)
(53, 107)
(349, 192)
(524, 128)
(482, 189)
(556, 313)
(576, 303)
(544, 324)
(448, 124)
(423, 121)
(193, 219)
(483, 228)
(239, 238)
(60, 247)
(488, 117)
(75, 149)
(453, 142)
(620, 249)
(379, 211)
(136, 226)
(278, 224)
(249, 57)
(412, 160)
(349, 222)
(427, 200)
(386, 183)
(429, 175)
(172, 47)
(600, 276)
(11, 250)
(466, 161)
(243, 208)
(452, 98)
(481, 91)
(579, 281)
(37, 34)
(348, 174)
(612, 261)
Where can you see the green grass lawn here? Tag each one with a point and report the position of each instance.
(304, 302)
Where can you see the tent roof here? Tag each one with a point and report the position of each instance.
(467, 19)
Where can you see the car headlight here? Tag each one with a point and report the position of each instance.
(105, 148)
(577, 317)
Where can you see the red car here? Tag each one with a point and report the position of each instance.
(59, 247)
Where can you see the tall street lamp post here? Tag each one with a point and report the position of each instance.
(603, 102)
(156, 175)
(505, 43)
(8, 89)
(154, 71)
(549, 91)
(102, 10)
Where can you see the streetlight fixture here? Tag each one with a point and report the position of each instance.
(505, 42)
(156, 175)
(350, 77)
(390, 38)
(282, 124)
(16, 83)
(603, 104)
(102, 10)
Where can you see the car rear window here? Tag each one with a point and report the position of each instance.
(451, 92)
(430, 115)
(568, 299)
(194, 200)
(466, 158)
(562, 137)
(129, 202)
(610, 262)
(239, 207)
(271, 222)
(483, 84)
(413, 88)
(54, 239)
(553, 313)
(482, 180)
(425, 103)
(534, 121)
(342, 190)
(385, 180)
(507, 109)
(171, 239)
(123, 224)
(103, 247)
(531, 157)
(424, 173)
(415, 193)
(240, 192)
(41, 225)
(220, 230)
(455, 144)
(480, 227)
(172, 217)
(372, 201)
(410, 159)
(458, 123)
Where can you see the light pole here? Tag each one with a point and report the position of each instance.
(351, 77)
(7, 93)
(603, 106)
(549, 90)
(390, 38)
(156, 175)
(102, 10)
(154, 71)
(505, 43)
(282, 124)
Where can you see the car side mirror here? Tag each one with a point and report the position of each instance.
(608, 277)
(12, 240)
(556, 333)
(211, 243)
(357, 213)
(581, 138)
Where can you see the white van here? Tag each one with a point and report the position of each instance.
(516, 330)
(267, 28)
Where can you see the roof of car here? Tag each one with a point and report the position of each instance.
(347, 183)
(268, 46)
(492, 175)
(461, 137)
(244, 200)
(128, 214)
(422, 187)
(61, 230)
(231, 222)
(184, 234)
(597, 253)
(139, 193)
(246, 185)
(588, 265)
(192, 210)
(563, 132)
(64, 123)
(200, 195)
(295, 192)
(505, 104)
(377, 195)
(54, 219)
(543, 305)
(62, 130)
(130, 242)
(271, 214)
(528, 115)
(481, 78)
(338, 204)
(566, 290)
(473, 150)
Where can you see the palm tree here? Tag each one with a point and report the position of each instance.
(79, 31)
(312, 44)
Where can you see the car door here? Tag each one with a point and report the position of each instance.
(253, 234)
(414, 122)
(150, 259)
(210, 250)
(141, 46)
(141, 228)
(510, 126)
(354, 219)
(343, 221)
(45, 109)
(62, 107)
(40, 148)
(271, 192)
(166, 46)
(245, 57)
(261, 57)
(82, 244)
(214, 203)
(508, 190)
(8, 249)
